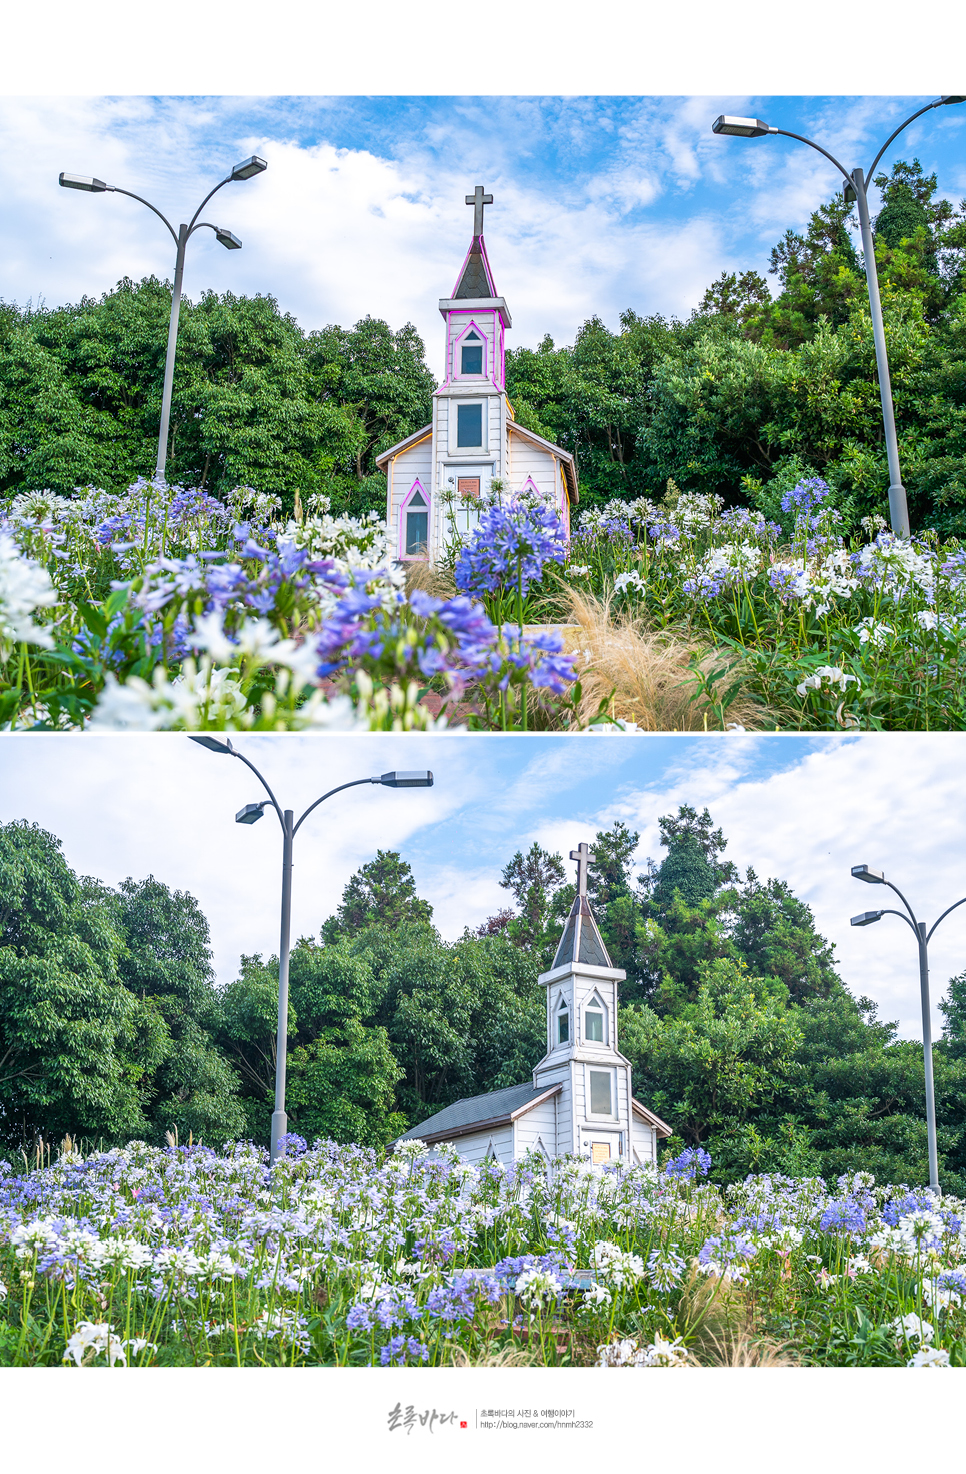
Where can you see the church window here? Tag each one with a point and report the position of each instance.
(594, 1025)
(471, 354)
(601, 1099)
(469, 425)
(417, 526)
(563, 1027)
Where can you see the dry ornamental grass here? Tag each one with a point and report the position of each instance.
(653, 675)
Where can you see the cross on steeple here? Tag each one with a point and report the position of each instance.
(478, 199)
(582, 855)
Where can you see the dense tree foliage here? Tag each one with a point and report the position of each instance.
(256, 402)
(741, 1032)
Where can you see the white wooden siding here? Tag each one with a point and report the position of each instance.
(645, 1141)
(474, 1147)
(404, 469)
(526, 459)
(540, 1121)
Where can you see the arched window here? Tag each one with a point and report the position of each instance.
(414, 524)
(595, 1021)
(470, 354)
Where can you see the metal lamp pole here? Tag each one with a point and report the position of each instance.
(250, 814)
(876, 877)
(245, 170)
(856, 188)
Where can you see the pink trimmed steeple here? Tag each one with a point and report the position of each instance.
(476, 279)
(476, 315)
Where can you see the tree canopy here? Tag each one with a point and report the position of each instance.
(256, 401)
(742, 1034)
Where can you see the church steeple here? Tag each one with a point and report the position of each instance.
(475, 280)
(581, 941)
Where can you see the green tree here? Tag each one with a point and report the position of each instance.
(77, 1049)
(534, 879)
(168, 958)
(381, 893)
(341, 1071)
(254, 402)
(721, 1060)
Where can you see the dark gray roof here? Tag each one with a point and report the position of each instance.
(475, 279)
(493, 1109)
(581, 941)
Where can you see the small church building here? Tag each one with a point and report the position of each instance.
(437, 476)
(580, 1099)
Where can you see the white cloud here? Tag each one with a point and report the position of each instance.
(334, 233)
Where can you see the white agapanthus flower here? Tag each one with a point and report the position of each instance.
(631, 580)
(697, 510)
(91, 1339)
(536, 1286)
(616, 1265)
(626, 1353)
(25, 587)
(598, 1296)
(577, 570)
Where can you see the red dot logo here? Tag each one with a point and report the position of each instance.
(463, 1424)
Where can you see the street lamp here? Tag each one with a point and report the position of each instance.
(856, 188)
(867, 918)
(250, 814)
(247, 169)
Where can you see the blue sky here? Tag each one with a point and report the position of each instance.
(801, 809)
(600, 203)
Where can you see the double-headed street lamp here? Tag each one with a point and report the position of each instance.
(856, 188)
(250, 814)
(247, 169)
(876, 877)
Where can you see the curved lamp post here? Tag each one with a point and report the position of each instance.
(856, 188)
(250, 814)
(876, 877)
(247, 169)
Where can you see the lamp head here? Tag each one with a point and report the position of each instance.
(405, 780)
(946, 101)
(740, 127)
(212, 743)
(251, 813)
(248, 168)
(865, 872)
(229, 241)
(83, 181)
(867, 918)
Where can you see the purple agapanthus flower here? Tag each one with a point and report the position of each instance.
(806, 495)
(692, 1163)
(845, 1216)
(510, 546)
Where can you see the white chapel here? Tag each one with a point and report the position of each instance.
(436, 475)
(580, 1099)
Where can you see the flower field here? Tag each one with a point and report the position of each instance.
(168, 609)
(831, 631)
(141, 1256)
